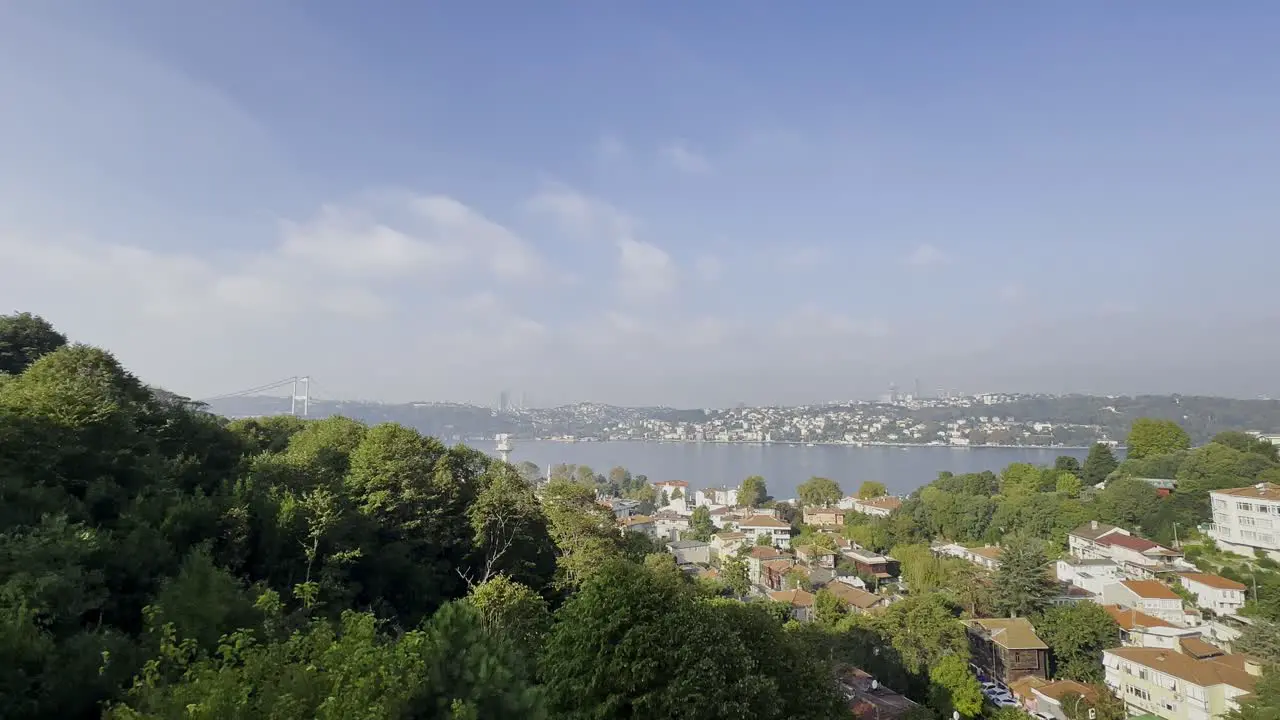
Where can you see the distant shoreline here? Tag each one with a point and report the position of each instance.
(797, 443)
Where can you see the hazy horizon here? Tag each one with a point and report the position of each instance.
(650, 204)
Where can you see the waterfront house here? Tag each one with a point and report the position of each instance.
(1007, 648)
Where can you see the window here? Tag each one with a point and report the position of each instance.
(1248, 535)
(1248, 521)
(1244, 506)
(1220, 504)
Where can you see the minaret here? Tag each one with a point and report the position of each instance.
(504, 446)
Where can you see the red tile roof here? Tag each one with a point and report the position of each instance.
(1151, 589)
(1213, 581)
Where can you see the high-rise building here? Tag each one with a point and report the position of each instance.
(504, 401)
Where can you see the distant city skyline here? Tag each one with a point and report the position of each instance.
(677, 204)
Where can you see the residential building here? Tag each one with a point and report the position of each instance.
(621, 507)
(801, 602)
(1068, 594)
(677, 493)
(638, 523)
(1048, 698)
(756, 558)
(690, 551)
(869, 700)
(1089, 574)
(881, 567)
(859, 601)
(882, 506)
(824, 517)
(1214, 592)
(1138, 629)
(1247, 519)
(777, 531)
(1175, 685)
(1007, 648)
(1224, 630)
(986, 557)
(669, 524)
(1148, 596)
(773, 573)
(1137, 558)
(816, 555)
(726, 544)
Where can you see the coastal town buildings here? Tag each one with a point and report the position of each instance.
(1247, 519)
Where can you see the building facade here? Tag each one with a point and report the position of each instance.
(1007, 648)
(1247, 519)
(1176, 686)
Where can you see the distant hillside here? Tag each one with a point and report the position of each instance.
(1202, 417)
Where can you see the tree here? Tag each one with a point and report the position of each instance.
(828, 608)
(513, 611)
(1099, 464)
(1077, 634)
(612, 653)
(1020, 479)
(619, 479)
(954, 687)
(1068, 485)
(1264, 704)
(819, 492)
(1149, 437)
(700, 525)
(584, 531)
(1067, 464)
(923, 629)
(871, 489)
(1022, 585)
(753, 493)
(1244, 442)
(1260, 639)
(734, 573)
(764, 540)
(24, 339)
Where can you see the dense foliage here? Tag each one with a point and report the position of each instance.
(157, 561)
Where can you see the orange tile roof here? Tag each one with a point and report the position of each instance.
(763, 521)
(1221, 670)
(887, 502)
(1128, 618)
(1213, 581)
(1261, 491)
(856, 597)
(636, 520)
(1151, 590)
(1061, 688)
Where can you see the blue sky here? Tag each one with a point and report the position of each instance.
(661, 202)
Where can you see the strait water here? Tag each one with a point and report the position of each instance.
(783, 466)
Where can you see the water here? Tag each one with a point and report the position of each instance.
(783, 466)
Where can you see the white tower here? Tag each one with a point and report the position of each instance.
(305, 397)
(504, 446)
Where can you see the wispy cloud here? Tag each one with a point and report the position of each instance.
(610, 148)
(684, 158)
(926, 255)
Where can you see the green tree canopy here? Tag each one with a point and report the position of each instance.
(753, 492)
(819, 492)
(954, 687)
(1099, 464)
(871, 489)
(1022, 584)
(24, 339)
(1076, 635)
(1150, 436)
(700, 525)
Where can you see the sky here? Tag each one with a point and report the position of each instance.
(685, 204)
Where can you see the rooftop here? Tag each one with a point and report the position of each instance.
(1261, 491)
(794, 598)
(635, 520)
(1129, 619)
(763, 552)
(762, 521)
(1151, 590)
(854, 596)
(686, 544)
(1093, 530)
(1009, 633)
(1060, 689)
(1220, 670)
(990, 552)
(1213, 581)
(887, 502)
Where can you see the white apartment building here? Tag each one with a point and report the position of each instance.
(1247, 519)
(1148, 596)
(1138, 558)
(1213, 592)
(1092, 575)
(777, 531)
(1178, 684)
